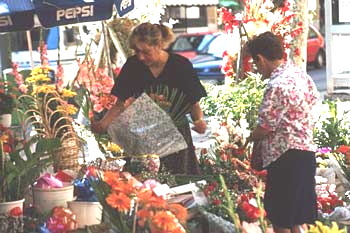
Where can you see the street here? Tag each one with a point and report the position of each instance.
(319, 77)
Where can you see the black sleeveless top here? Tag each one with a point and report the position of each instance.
(135, 78)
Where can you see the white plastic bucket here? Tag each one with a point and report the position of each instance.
(6, 120)
(6, 207)
(88, 213)
(44, 200)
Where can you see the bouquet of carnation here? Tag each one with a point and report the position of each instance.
(148, 125)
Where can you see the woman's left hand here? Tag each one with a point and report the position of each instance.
(200, 126)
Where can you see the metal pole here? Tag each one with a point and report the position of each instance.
(328, 32)
(106, 48)
(30, 48)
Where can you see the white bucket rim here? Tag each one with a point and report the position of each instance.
(12, 202)
(69, 187)
(75, 202)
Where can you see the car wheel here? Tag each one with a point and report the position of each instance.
(320, 59)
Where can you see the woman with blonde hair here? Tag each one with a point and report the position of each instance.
(152, 65)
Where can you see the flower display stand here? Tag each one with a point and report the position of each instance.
(44, 199)
(87, 213)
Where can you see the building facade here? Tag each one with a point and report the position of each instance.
(189, 16)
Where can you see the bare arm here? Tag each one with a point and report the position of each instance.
(258, 133)
(102, 125)
(197, 117)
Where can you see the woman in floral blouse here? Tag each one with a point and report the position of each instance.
(285, 129)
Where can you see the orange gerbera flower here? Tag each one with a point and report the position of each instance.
(143, 215)
(119, 201)
(111, 177)
(179, 211)
(165, 220)
(124, 186)
(144, 194)
(154, 201)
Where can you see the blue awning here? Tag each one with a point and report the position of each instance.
(53, 12)
(16, 15)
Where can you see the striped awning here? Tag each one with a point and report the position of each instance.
(190, 2)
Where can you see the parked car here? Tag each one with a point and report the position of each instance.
(190, 44)
(205, 52)
(316, 54)
(209, 60)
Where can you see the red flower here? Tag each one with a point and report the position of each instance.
(15, 212)
(343, 149)
(216, 202)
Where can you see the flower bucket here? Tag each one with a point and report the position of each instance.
(87, 212)
(6, 120)
(6, 207)
(44, 200)
(13, 219)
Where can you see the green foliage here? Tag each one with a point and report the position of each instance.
(23, 166)
(82, 99)
(333, 130)
(240, 101)
(7, 103)
(172, 101)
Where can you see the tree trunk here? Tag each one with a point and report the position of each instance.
(300, 42)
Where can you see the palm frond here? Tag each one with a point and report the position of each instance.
(173, 102)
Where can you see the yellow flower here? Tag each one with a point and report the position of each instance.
(68, 108)
(320, 228)
(43, 89)
(38, 78)
(39, 70)
(112, 147)
(66, 93)
(4, 138)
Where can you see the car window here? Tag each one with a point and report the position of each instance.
(205, 40)
(218, 46)
(182, 44)
(312, 34)
(193, 42)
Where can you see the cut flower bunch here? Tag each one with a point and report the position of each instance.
(132, 206)
(259, 16)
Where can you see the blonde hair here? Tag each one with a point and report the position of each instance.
(151, 34)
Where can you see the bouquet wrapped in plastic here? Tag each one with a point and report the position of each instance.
(145, 128)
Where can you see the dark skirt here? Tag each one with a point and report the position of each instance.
(290, 197)
(184, 161)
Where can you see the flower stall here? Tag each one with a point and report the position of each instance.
(63, 178)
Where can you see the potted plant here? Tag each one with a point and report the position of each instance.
(21, 167)
(7, 104)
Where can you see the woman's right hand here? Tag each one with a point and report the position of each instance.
(102, 125)
(97, 127)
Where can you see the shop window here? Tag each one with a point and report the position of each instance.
(71, 36)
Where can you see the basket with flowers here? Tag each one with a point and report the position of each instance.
(47, 110)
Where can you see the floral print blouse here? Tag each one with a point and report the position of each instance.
(288, 110)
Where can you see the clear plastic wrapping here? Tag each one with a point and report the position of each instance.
(145, 128)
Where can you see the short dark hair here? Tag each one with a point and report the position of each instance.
(266, 44)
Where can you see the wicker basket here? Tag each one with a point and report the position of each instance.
(67, 155)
